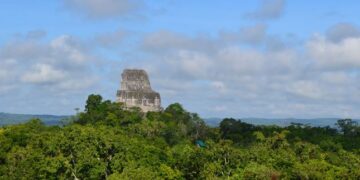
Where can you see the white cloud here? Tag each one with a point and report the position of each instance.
(36, 73)
(302, 81)
(68, 48)
(52, 64)
(220, 108)
(166, 41)
(335, 55)
(236, 59)
(337, 78)
(3, 74)
(252, 34)
(43, 73)
(216, 75)
(307, 89)
(192, 63)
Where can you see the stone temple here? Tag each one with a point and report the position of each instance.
(136, 91)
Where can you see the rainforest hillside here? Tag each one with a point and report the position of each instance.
(107, 141)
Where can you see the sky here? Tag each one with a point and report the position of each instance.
(235, 58)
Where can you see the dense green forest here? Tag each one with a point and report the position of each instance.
(107, 141)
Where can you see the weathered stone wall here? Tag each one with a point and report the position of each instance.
(135, 91)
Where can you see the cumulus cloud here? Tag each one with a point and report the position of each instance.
(43, 73)
(252, 34)
(268, 9)
(342, 31)
(337, 78)
(306, 88)
(335, 55)
(111, 39)
(40, 71)
(168, 40)
(104, 9)
(223, 74)
(224, 71)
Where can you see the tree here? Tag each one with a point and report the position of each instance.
(351, 133)
(93, 103)
(239, 132)
(348, 127)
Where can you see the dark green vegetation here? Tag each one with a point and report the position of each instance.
(108, 142)
(322, 122)
(8, 118)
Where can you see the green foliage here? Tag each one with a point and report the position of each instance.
(108, 141)
(237, 131)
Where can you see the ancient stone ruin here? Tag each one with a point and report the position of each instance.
(136, 91)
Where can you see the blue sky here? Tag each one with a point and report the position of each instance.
(261, 58)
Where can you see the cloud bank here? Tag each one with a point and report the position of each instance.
(249, 76)
(249, 71)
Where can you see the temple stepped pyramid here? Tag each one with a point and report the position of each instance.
(135, 91)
